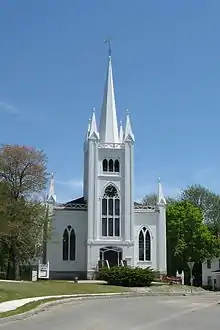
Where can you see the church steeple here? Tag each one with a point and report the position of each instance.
(108, 166)
(108, 128)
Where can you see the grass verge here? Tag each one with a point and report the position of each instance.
(28, 307)
(13, 291)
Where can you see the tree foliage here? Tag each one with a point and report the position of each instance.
(187, 236)
(22, 218)
(152, 199)
(23, 169)
(208, 202)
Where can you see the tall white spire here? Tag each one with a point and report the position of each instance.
(121, 133)
(51, 194)
(128, 130)
(93, 127)
(108, 128)
(161, 198)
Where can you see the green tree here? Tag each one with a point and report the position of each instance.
(187, 236)
(206, 200)
(22, 218)
(152, 199)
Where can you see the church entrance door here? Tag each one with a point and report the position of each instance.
(112, 254)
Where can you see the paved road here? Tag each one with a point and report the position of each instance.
(156, 313)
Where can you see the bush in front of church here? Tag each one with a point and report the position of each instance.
(127, 276)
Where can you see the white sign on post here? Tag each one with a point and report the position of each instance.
(43, 270)
(34, 275)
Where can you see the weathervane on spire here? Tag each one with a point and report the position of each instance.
(109, 42)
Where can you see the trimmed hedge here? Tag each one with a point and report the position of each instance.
(127, 276)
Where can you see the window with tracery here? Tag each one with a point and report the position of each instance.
(111, 165)
(69, 244)
(144, 245)
(111, 212)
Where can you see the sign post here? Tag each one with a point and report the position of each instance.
(43, 270)
(34, 275)
(191, 265)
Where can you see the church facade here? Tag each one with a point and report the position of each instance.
(106, 224)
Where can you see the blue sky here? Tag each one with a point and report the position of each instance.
(166, 65)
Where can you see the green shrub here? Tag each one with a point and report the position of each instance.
(127, 276)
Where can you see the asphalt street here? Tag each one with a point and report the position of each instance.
(140, 313)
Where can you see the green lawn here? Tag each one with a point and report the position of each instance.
(28, 307)
(12, 290)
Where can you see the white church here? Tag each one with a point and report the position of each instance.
(106, 224)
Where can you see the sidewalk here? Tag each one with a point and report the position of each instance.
(13, 304)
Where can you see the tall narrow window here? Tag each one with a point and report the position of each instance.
(141, 246)
(72, 245)
(69, 244)
(110, 165)
(147, 246)
(144, 245)
(111, 212)
(65, 244)
(117, 166)
(105, 165)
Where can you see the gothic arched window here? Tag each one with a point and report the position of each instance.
(117, 166)
(105, 165)
(72, 245)
(144, 245)
(65, 244)
(111, 212)
(69, 244)
(110, 165)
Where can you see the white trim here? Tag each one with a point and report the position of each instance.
(111, 146)
(147, 227)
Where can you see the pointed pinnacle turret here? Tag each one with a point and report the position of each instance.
(121, 133)
(88, 130)
(161, 198)
(109, 42)
(51, 194)
(93, 127)
(129, 136)
(108, 128)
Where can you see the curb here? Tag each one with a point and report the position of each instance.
(47, 305)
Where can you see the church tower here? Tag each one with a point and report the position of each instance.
(108, 178)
